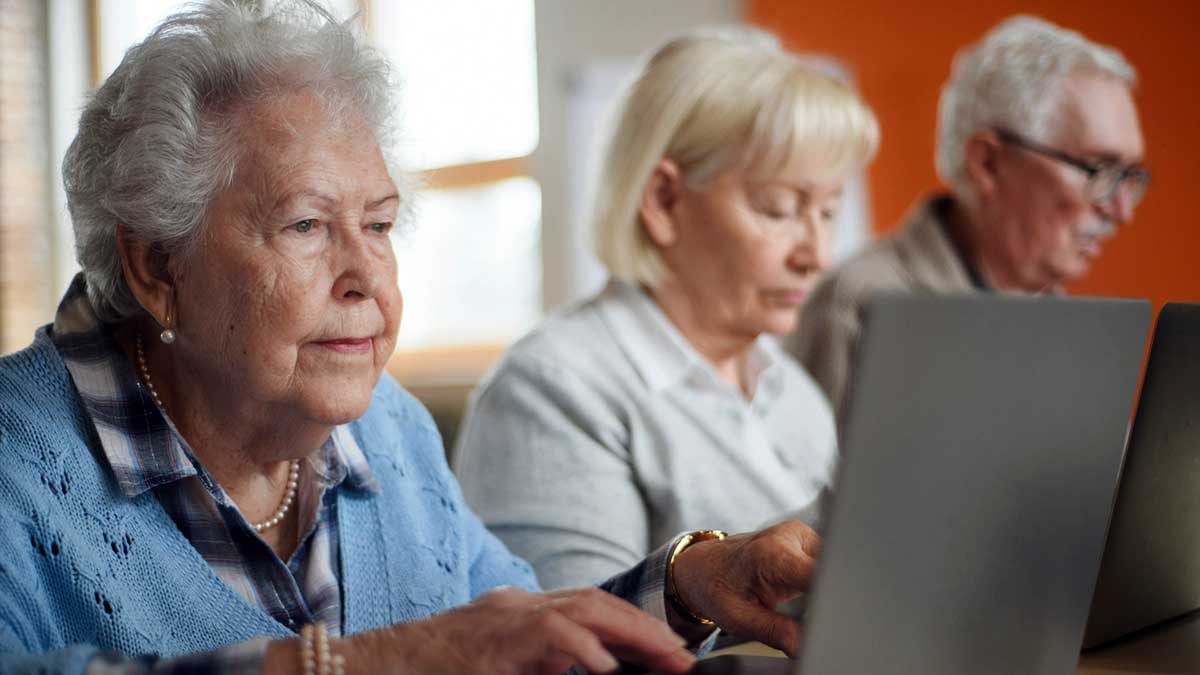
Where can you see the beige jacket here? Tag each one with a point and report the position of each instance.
(919, 257)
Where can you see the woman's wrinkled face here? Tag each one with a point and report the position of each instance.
(291, 299)
(751, 246)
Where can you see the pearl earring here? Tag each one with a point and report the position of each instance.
(168, 335)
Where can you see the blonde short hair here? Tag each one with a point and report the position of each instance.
(710, 101)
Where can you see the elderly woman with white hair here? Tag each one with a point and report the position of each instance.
(201, 466)
(662, 404)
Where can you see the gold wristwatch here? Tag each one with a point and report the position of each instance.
(671, 594)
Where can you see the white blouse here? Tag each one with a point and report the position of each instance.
(603, 434)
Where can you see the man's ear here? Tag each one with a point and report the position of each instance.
(147, 275)
(981, 155)
(660, 196)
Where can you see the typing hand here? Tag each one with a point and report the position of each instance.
(738, 582)
(515, 632)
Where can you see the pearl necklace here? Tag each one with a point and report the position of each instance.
(293, 470)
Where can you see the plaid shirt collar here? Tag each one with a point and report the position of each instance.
(140, 443)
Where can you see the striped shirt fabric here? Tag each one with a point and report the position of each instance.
(145, 452)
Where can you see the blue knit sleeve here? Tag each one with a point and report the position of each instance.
(492, 564)
(396, 414)
(15, 659)
(239, 659)
(19, 655)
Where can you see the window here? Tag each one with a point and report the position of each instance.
(470, 269)
(120, 24)
(26, 176)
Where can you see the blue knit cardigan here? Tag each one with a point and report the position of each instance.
(84, 568)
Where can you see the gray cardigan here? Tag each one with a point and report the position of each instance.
(602, 435)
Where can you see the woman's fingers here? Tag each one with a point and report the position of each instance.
(616, 621)
(572, 640)
(783, 571)
(518, 632)
(751, 619)
(739, 581)
(507, 596)
(626, 630)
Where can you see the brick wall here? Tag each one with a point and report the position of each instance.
(25, 175)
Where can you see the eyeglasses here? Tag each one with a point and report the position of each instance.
(1104, 179)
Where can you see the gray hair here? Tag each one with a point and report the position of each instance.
(159, 140)
(1010, 79)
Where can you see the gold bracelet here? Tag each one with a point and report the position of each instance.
(671, 592)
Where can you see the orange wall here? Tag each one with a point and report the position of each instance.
(900, 53)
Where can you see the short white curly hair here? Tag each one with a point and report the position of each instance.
(161, 136)
(1010, 79)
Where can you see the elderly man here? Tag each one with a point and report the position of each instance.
(1039, 142)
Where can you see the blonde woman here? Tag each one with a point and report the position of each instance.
(661, 404)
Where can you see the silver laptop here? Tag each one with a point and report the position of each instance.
(1151, 566)
(981, 450)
